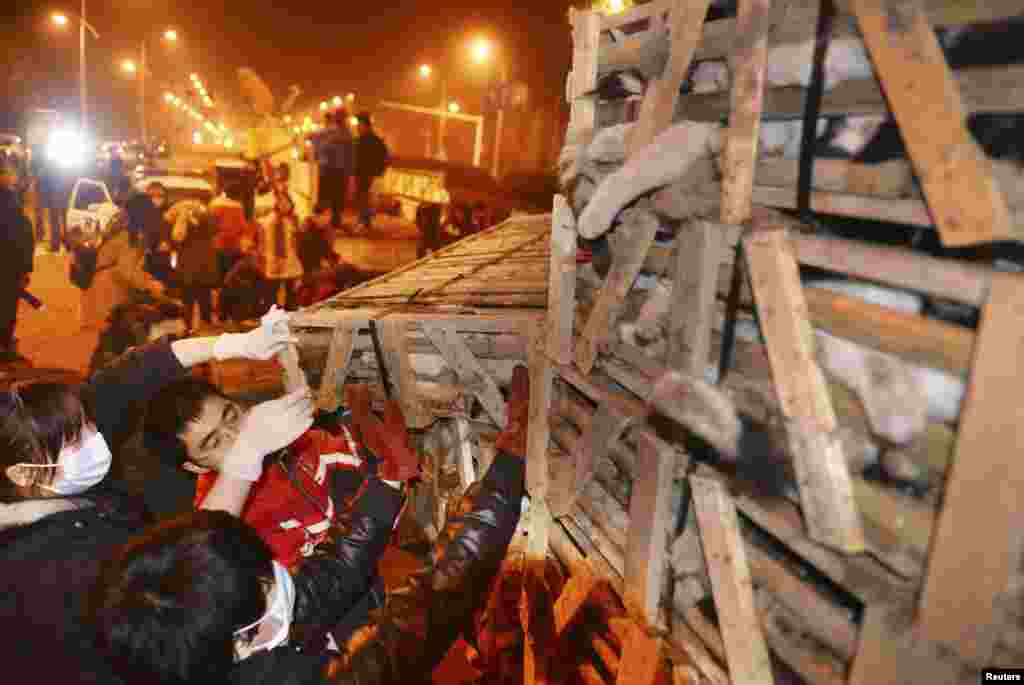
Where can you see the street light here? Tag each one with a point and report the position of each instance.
(453, 107)
(337, 101)
(425, 70)
(170, 35)
(60, 20)
(481, 51)
(129, 66)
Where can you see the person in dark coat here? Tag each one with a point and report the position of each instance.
(55, 531)
(200, 599)
(334, 155)
(18, 253)
(372, 159)
(198, 267)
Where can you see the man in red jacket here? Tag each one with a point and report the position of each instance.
(290, 505)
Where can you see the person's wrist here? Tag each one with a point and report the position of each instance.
(243, 461)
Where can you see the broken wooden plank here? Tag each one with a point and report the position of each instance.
(650, 525)
(826, 493)
(640, 227)
(747, 64)
(294, 376)
(394, 347)
(967, 571)
(641, 662)
(339, 356)
(472, 375)
(698, 257)
(956, 177)
(464, 452)
(724, 552)
(891, 651)
(586, 38)
(686, 20)
(605, 428)
(573, 598)
(562, 274)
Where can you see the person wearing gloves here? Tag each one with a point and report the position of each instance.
(295, 498)
(59, 517)
(200, 599)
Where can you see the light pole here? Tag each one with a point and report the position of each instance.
(61, 20)
(169, 36)
(442, 124)
(481, 51)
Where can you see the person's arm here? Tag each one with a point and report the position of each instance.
(340, 573)
(423, 618)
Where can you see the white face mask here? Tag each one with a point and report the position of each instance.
(80, 467)
(279, 613)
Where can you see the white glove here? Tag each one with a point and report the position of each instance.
(262, 343)
(266, 428)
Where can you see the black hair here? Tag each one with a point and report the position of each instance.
(37, 419)
(170, 411)
(166, 606)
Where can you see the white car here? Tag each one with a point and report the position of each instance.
(91, 206)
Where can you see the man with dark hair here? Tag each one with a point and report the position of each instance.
(163, 618)
(291, 505)
(372, 159)
(16, 264)
(334, 156)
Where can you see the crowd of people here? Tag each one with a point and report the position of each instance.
(242, 544)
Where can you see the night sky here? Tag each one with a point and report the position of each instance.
(370, 48)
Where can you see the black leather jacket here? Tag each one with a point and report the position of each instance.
(405, 639)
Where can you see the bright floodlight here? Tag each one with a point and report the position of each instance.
(453, 107)
(67, 148)
(59, 19)
(170, 35)
(337, 101)
(481, 50)
(353, 121)
(425, 70)
(323, 105)
(129, 66)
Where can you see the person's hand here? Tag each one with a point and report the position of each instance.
(388, 440)
(262, 343)
(266, 428)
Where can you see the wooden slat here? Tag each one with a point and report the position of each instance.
(965, 201)
(294, 376)
(537, 438)
(891, 651)
(928, 342)
(394, 347)
(605, 428)
(747, 64)
(459, 357)
(825, 489)
(686, 20)
(586, 38)
(641, 662)
(339, 356)
(573, 598)
(983, 89)
(641, 228)
(698, 256)
(649, 529)
(725, 555)
(967, 570)
(464, 452)
(562, 274)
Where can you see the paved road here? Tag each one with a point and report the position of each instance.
(52, 336)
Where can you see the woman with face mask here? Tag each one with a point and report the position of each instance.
(60, 514)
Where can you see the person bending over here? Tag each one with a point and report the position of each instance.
(58, 522)
(302, 487)
(200, 599)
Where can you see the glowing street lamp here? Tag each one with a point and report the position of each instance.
(425, 71)
(197, 138)
(481, 50)
(354, 121)
(59, 19)
(170, 35)
(287, 118)
(453, 107)
(337, 101)
(129, 66)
